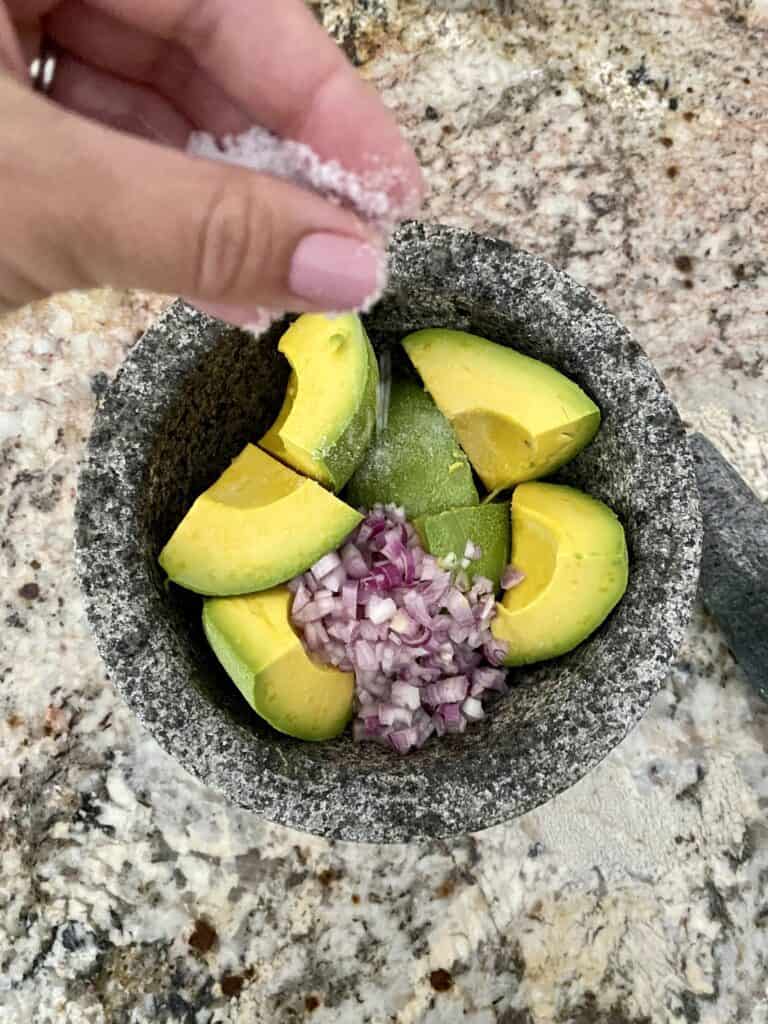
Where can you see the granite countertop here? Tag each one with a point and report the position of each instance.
(625, 143)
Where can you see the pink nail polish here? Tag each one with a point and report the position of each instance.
(335, 272)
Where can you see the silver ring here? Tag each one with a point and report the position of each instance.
(42, 70)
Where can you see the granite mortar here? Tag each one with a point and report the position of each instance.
(193, 391)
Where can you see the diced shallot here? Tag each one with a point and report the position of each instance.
(310, 582)
(472, 709)
(316, 609)
(415, 632)
(391, 714)
(453, 718)
(349, 598)
(511, 577)
(315, 635)
(387, 658)
(402, 623)
(417, 607)
(406, 695)
(325, 565)
(354, 564)
(344, 631)
(368, 631)
(301, 595)
(334, 580)
(481, 586)
(452, 690)
(381, 609)
(404, 739)
(429, 568)
(416, 640)
(365, 655)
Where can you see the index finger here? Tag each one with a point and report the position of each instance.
(274, 60)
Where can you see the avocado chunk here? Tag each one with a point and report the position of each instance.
(573, 553)
(253, 639)
(516, 418)
(416, 461)
(328, 416)
(485, 525)
(258, 525)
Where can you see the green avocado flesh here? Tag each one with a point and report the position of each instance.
(573, 553)
(328, 416)
(273, 513)
(516, 417)
(258, 525)
(255, 644)
(485, 525)
(416, 462)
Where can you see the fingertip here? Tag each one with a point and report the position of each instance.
(328, 272)
(367, 140)
(409, 187)
(252, 318)
(336, 272)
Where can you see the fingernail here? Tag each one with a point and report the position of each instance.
(335, 272)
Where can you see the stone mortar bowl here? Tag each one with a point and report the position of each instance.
(194, 391)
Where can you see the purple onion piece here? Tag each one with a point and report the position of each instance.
(326, 564)
(511, 577)
(416, 635)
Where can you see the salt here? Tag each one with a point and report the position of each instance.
(369, 194)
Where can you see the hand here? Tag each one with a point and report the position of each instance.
(95, 188)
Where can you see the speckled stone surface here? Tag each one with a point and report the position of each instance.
(183, 405)
(130, 893)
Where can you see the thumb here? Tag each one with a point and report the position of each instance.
(82, 205)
